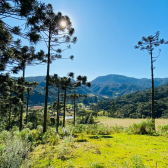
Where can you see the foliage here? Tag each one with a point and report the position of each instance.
(96, 165)
(90, 119)
(135, 162)
(163, 130)
(138, 104)
(115, 150)
(14, 148)
(145, 127)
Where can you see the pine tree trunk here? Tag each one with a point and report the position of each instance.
(9, 116)
(64, 107)
(74, 110)
(47, 83)
(153, 106)
(22, 99)
(27, 105)
(58, 110)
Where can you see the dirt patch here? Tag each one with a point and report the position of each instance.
(36, 107)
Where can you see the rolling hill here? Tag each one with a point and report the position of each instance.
(138, 104)
(110, 86)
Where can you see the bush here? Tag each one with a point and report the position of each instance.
(3, 136)
(117, 128)
(145, 127)
(163, 130)
(14, 150)
(54, 140)
(96, 165)
(135, 162)
(68, 140)
(47, 136)
(90, 120)
(36, 134)
(29, 125)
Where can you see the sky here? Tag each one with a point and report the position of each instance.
(107, 32)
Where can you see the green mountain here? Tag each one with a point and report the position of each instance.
(117, 85)
(110, 86)
(113, 78)
(39, 93)
(138, 104)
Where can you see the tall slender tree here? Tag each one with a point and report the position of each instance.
(29, 86)
(25, 56)
(54, 34)
(80, 82)
(148, 43)
(66, 84)
(73, 97)
(55, 83)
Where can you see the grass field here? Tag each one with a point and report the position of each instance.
(126, 122)
(116, 150)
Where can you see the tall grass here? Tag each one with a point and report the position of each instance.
(145, 127)
(14, 148)
(163, 130)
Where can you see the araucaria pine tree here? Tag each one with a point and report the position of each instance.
(54, 33)
(148, 43)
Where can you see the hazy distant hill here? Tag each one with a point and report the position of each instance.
(109, 86)
(121, 79)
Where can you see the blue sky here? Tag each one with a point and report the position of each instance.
(107, 32)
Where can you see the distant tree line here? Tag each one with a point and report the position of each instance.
(138, 104)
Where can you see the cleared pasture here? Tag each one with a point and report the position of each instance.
(127, 121)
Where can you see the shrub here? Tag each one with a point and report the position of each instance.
(68, 140)
(24, 133)
(29, 125)
(66, 131)
(79, 128)
(47, 136)
(145, 127)
(96, 165)
(90, 119)
(54, 140)
(117, 128)
(14, 150)
(163, 130)
(40, 129)
(15, 128)
(62, 151)
(135, 162)
(3, 136)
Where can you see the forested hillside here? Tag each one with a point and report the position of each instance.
(110, 86)
(138, 104)
(38, 97)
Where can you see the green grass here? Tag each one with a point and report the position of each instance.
(116, 150)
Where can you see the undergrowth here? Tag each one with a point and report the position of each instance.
(15, 146)
(145, 127)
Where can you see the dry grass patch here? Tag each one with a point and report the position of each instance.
(36, 107)
(126, 122)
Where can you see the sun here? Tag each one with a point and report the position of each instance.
(63, 23)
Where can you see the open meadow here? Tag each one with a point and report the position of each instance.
(127, 121)
(118, 150)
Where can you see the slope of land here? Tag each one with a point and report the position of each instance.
(115, 150)
(138, 104)
(110, 86)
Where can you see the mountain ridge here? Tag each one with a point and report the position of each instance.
(110, 86)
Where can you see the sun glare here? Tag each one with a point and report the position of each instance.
(63, 23)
